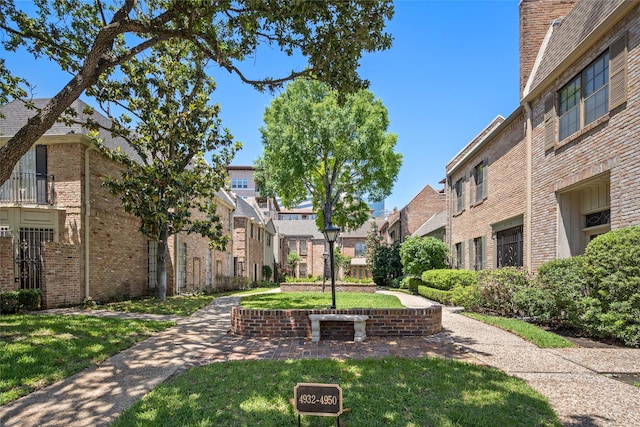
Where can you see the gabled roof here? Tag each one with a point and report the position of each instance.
(436, 222)
(16, 115)
(226, 198)
(362, 232)
(573, 34)
(246, 210)
(298, 228)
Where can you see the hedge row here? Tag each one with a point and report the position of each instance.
(22, 300)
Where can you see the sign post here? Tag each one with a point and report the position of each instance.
(318, 399)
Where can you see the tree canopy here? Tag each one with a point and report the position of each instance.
(419, 254)
(170, 124)
(91, 39)
(335, 151)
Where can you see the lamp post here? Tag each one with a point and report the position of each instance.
(331, 234)
(325, 256)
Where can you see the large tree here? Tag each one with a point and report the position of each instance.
(88, 39)
(170, 123)
(332, 148)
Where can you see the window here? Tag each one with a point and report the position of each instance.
(598, 89)
(480, 181)
(509, 247)
(251, 230)
(303, 248)
(478, 248)
(239, 183)
(598, 218)
(268, 239)
(585, 98)
(303, 270)
(293, 247)
(360, 249)
(152, 263)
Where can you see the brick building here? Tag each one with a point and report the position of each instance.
(402, 223)
(69, 237)
(565, 166)
(249, 240)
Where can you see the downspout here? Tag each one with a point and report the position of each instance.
(87, 214)
(528, 184)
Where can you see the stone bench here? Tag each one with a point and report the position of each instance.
(359, 324)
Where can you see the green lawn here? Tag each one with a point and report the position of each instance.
(380, 392)
(311, 300)
(37, 350)
(531, 333)
(177, 305)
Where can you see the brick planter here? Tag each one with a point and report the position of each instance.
(296, 324)
(369, 288)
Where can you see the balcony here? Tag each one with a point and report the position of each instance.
(25, 188)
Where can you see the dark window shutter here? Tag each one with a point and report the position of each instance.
(618, 72)
(41, 160)
(485, 173)
(549, 122)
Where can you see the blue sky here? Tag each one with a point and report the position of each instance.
(453, 68)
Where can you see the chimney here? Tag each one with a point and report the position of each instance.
(536, 16)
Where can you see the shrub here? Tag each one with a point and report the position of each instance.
(15, 301)
(446, 279)
(443, 297)
(396, 282)
(9, 302)
(29, 299)
(612, 305)
(386, 265)
(564, 281)
(498, 287)
(468, 297)
(411, 283)
(535, 303)
(419, 254)
(267, 272)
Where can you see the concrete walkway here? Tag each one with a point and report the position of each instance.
(577, 382)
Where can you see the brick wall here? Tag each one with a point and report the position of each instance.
(506, 185)
(296, 323)
(62, 269)
(610, 148)
(118, 251)
(423, 206)
(536, 17)
(7, 282)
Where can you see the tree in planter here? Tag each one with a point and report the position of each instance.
(90, 39)
(386, 264)
(342, 262)
(170, 187)
(332, 147)
(292, 262)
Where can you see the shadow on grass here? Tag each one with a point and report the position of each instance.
(380, 392)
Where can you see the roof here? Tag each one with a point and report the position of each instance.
(436, 222)
(246, 209)
(226, 197)
(363, 231)
(298, 228)
(567, 37)
(16, 115)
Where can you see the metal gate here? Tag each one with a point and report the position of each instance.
(509, 244)
(28, 256)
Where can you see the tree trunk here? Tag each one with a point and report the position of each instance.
(161, 268)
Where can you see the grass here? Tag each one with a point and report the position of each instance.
(37, 350)
(379, 392)
(176, 305)
(311, 300)
(532, 333)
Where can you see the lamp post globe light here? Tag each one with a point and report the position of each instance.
(325, 256)
(331, 234)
